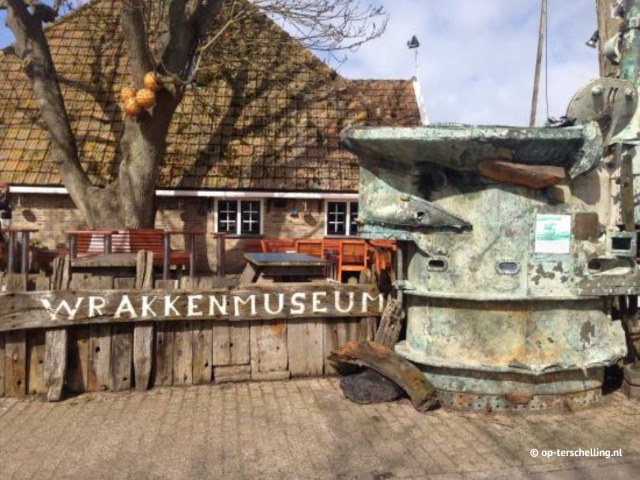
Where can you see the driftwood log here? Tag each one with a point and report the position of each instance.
(391, 365)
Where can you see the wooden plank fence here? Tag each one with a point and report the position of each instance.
(84, 336)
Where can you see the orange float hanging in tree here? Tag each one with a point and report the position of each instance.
(127, 92)
(131, 106)
(152, 81)
(145, 98)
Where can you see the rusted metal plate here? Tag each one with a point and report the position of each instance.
(462, 147)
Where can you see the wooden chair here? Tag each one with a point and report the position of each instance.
(310, 246)
(353, 257)
(382, 252)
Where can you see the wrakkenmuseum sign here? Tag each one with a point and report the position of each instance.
(46, 309)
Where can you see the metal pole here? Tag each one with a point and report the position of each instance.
(536, 81)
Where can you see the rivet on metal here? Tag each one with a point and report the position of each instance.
(597, 90)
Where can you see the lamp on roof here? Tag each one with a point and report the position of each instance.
(413, 43)
(593, 41)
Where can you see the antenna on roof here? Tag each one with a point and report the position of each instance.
(413, 44)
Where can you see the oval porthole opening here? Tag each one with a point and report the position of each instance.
(437, 265)
(508, 267)
(594, 266)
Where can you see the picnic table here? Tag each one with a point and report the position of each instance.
(282, 267)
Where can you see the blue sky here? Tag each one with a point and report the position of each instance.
(477, 57)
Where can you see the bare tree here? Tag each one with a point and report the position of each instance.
(170, 38)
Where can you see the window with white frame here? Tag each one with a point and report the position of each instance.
(341, 218)
(239, 217)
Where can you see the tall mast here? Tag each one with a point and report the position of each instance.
(607, 28)
(536, 80)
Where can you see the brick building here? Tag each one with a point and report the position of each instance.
(253, 149)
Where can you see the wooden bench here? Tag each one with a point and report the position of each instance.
(152, 240)
(85, 243)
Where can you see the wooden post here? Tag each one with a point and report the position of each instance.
(221, 239)
(2, 363)
(143, 334)
(56, 340)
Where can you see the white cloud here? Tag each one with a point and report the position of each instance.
(476, 60)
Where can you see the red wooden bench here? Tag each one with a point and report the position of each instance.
(92, 242)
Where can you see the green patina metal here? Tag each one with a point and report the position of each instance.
(506, 286)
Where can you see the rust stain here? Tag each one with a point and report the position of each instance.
(278, 328)
(519, 398)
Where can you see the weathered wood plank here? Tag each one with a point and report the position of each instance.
(55, 362)
(305, 345)
(16, 282)
(36, 353)
(394, 367)
(268, 348)
(43, 283)
(121, 356)
(336, 332)
(99, 359)
(143, 334)
(54, 309)
(99, 354)
(15, 364)
(164, 355)
(144, 270)
(61, 275)
(202, 352)
(202, 340)
(390, 323)
(143, 354)
(231, 343)
(232, 373)
(2, 363)
(78, 359)
(221, 351)
(183, 353)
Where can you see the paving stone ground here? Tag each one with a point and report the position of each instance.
(303, 429)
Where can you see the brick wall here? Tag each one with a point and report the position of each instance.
(52, 215)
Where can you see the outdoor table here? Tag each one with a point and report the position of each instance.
(24, 247)
(281, 267)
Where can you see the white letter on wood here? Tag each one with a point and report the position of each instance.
(220, 305)
(71, 312)
(316, 302)
(349, 307)
(297, 303)
(267, 304)
(96, 304)
(237, 301)
(125, 307)
(169, 306)
(365, 301)
(146, 306)
(193, 309)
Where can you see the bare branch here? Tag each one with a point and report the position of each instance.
(135, 34)
(327, 25)
(32, 47)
